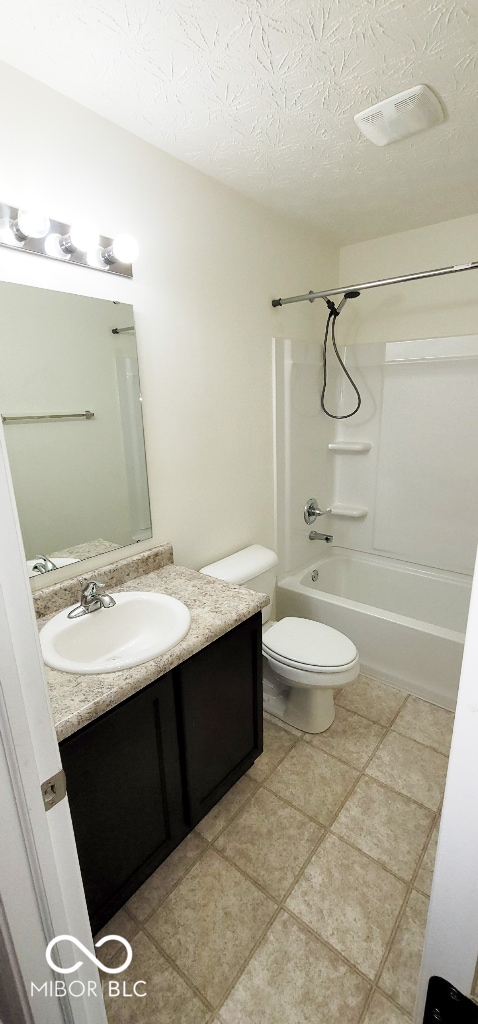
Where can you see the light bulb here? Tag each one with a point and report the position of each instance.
(94, 258)
(52, 247)
(84, 235)
(31, 224)
(125, 248)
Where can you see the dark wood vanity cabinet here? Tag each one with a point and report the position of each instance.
(219, 701)
(143, 774)
(124, 788)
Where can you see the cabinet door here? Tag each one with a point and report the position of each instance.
(220, 710)
(124, 789)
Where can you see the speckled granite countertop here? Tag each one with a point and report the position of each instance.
(215, 608)
(87, 550)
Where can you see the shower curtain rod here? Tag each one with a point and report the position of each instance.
(376, 284)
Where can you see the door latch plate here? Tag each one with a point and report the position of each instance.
(53, 790)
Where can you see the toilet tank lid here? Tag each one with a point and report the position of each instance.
(243, 565)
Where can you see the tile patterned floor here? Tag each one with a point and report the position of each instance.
(303, 895)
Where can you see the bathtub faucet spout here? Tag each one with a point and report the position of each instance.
(313, 535)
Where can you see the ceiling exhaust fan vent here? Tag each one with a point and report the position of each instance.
(399, 116)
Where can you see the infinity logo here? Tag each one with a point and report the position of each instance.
(99, 964)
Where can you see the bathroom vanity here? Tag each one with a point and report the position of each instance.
(149, 751)
(142, 775)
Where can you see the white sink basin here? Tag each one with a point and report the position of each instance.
(142, 625)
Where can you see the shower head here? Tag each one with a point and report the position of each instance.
(347, 295)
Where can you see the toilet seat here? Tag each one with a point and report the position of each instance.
(309, 646)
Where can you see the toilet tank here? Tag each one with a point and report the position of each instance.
(253, 567)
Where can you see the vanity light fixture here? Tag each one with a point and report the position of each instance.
(79, 242)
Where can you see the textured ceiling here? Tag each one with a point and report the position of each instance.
(261, 94)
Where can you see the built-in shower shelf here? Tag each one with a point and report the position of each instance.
(349, 511)
(349, 446)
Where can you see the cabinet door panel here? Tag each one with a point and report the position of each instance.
(220, 695)
(124, 790)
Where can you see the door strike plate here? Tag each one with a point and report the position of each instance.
(53, 790)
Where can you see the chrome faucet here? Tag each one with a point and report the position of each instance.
(312, 511)
(43, 564)
(91, 600)
(313, 535)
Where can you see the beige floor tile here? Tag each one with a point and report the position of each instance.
(210, 923)
(121, 924)
(221, 814)
(350, 737)
(411, 768)
(350, 901)
(382, 1011)
(426, 723)
(163, 880)
(371, 698)
(423, 881)
(312, 781)
(294, 979)
(270, 841)
(168, 999)
(388, 826)
(400, 974)
(281, 724)
(277, 742)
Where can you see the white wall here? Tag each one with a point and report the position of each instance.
(435, 308)
(211, 261)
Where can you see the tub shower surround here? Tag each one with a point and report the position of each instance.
(396, 579)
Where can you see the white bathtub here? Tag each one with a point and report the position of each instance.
(407, 622)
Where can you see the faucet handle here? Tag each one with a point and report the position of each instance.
(312, 511)
(91, 600)
(89, 590)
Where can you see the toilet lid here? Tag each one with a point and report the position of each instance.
(308, 644)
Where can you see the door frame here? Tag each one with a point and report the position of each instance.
(451, 940)
(41, 892)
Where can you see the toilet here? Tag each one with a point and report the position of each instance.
(303, 661)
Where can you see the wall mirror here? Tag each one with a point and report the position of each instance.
(71, 408)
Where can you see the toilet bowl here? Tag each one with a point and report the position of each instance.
(308, 661)
(303, 661)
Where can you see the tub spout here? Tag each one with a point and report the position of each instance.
(313, 535)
